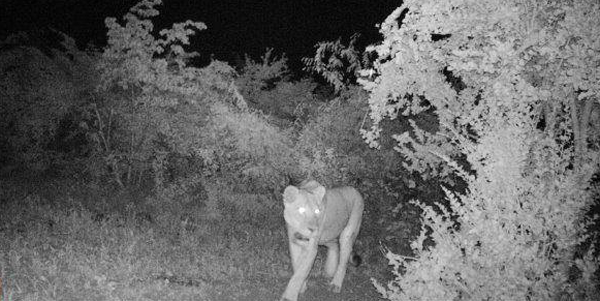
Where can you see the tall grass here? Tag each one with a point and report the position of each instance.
(62, 250)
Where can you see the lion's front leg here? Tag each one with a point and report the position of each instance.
(303, 257)
(296, 253)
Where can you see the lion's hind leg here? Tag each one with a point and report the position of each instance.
(346, 241)
(333, 259)
(347, 238)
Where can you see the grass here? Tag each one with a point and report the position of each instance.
(60, 241)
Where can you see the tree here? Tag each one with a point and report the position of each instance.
(511, 83)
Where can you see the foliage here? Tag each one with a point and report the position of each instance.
(337, 63)
(511, 84)
(267, 86)
(151, 105)
(156, 117)
(285, 101)
(249, 147)
(44, 77)
(330, 142)
(292, 102)
(258, 76)
(332, 149)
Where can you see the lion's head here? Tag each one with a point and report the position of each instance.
(304, 207)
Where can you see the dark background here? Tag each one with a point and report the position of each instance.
(235, 27)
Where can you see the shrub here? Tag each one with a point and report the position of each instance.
(332, 149)
(44, 77)
(513, 234)
(267, 87)
(337, 63)
(151, 104)
(260, 76)
(251, 149)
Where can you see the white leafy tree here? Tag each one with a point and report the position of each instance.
(515, 64)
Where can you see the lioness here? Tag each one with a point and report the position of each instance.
(318, 216)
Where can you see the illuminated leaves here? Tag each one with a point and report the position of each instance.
(489, 71)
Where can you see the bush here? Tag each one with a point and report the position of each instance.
(267, 87)
(152, 107)
(251, 149)
(332, 149)
(337, 63)
(262, 76)
(513, 234)
(44, 78)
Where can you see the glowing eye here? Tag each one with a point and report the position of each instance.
(317, 211)
(302, 210)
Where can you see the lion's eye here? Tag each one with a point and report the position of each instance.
(302, 210)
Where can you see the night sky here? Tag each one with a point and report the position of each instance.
(234, 26)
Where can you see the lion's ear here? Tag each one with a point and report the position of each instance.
(289, 194)
(319, 192)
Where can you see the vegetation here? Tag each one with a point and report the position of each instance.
(129, 173)
(337, 63)
(163, 179)
(44, 78)
(513, 93)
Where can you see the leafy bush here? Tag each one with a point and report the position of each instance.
(260, 76)
(151, 105)
(44, 77)
(251, 149)
(490, 81)
(333, 151)
(337, 63)
(267, 86)
(290, 103)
